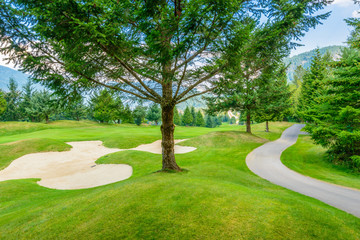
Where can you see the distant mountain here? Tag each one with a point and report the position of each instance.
(7, 73)
(305, 58)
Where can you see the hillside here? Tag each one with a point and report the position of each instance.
(7, 73)
(305, 58)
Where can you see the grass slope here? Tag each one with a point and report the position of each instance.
(309, 159)
(217, 198)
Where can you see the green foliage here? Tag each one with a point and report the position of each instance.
(3, 103)
(139, 114)
(273, 99)
(200, 122)
(177, 119)
(118, 113)
(193, 113)
(127, 116)
(26, 101)
(334, 111)
(41, 106)
(103, 106)
(187, 118)
(212, 121)
(154, 113)
(13, 99)
(312, 88)
(76, 110)
(232, 120)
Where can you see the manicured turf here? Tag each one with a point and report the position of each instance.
(309, 159)
(217, 198)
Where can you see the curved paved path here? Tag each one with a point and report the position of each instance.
(265, 162)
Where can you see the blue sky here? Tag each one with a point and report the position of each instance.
(333, 31)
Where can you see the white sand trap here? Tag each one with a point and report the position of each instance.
(155, 147)
(76, 169)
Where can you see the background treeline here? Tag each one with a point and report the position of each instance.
(104, 106)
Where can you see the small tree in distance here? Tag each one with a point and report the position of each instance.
(177, 119)
(2, 103)
(200, 122)
(154, 113)
(187, 118)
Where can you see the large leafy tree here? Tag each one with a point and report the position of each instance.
(155, 50)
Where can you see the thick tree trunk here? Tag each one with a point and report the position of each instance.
(248, 123)
(267, 126)
(167, 131)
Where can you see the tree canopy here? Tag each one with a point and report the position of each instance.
(162, 51)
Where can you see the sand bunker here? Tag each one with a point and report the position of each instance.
(76, 169)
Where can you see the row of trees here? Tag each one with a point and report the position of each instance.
(103, 106)
(329, 101)
(261, 98)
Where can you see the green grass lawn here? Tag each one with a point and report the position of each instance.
(309, 159)
(217, 198)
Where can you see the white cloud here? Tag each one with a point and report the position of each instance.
(343, 3)
(355, 14)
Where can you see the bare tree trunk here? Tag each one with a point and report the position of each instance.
(248, 122)
(167, 131)
(267, 126)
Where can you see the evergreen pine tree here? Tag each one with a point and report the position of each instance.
(311, 88)
(139, 114)
(193, 113)
(12, 98)
(127, 116)
(200, 122)
(187, 119)
(25, 101)
(154, 113)
(3, 103)
(42, 106)
(209, 122)
(177, 120)
(103, 106)
(273, 97)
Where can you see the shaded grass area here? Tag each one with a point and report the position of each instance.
(217, 198)
(309, 159)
